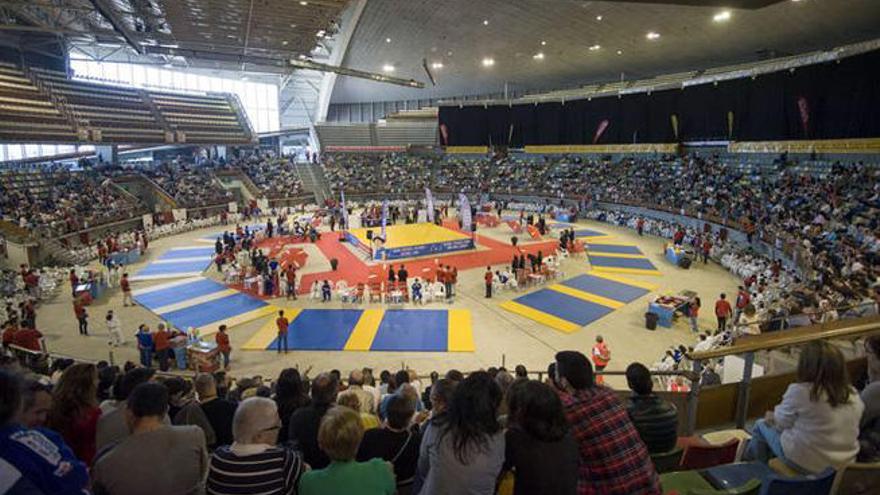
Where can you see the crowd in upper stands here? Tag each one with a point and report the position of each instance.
(112, 429)
(190, 186)
(276, 177)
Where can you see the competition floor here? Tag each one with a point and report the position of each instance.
(409, 235)
(469, 333)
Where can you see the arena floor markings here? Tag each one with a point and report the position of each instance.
(177, 263)
(201, 303)
(576, 302)
(414, 330)
(620, 263)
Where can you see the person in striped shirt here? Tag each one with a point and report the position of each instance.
(253, 464)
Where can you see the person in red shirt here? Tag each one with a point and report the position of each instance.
(722, 312)
(222, 340)
(74, 281)
(488, 278)
(82, 316)
(453, 279)
(75, 412)
(29, 338)
(162, 344)
(601, 356)
(282, 323)
(742, 300)
(9, 331)
(126, 290)
(707, 247)
(640, 225)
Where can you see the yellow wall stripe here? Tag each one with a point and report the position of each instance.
(540, 317)
(460, 333)
(628, 281)
(586, 296)
(361, 338)
(617, 255)
(634, 271)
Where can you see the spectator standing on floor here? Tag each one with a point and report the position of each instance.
(462, 451)
(694, 313)
(613, 459)
(654, 418)
(305, 421)
(125, 285)
(156, 457)
(282, 323)
(178, 343)
(145, 345)
(75, 411)
(487, 278)
(45, 464)
(601, 356)
(114, 328)
(339, 437)
(254, 463)
(74, 281)
(290, 275)
(218, 411)
(82, 316)
(722, 312)
(162, 344)
(742, 300)
(538, 441)
(706, 249)
(223, 345)
(402, 275)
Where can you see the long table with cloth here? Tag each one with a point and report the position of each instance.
(127, 257)
(665, 307)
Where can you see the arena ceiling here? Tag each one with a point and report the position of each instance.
(581, 41)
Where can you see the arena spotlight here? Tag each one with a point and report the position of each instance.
(653, 35)
(435, 65)
(488, 62)
(722, 16)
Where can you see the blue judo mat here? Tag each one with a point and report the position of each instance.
(612, 249)
(317, 329)
(213, 311)
(564, 306)
(178, 293)
(402, 330)
(605, 288)
(636, 263)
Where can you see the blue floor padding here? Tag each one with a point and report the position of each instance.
(412, 331)
(316, 329)
(605, 288)
(588, 233)
(607, 248)
(563, 306)
(178, 293)
(169, 268)
(638, 263)
(213, 311)
(207, 253)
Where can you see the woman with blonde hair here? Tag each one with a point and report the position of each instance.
(75, 411)
(816, 425)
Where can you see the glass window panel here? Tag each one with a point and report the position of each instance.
(124, 72)
(15, 151)
(138, 76)
(165, 79)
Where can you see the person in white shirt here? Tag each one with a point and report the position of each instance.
(816, 425)
(114, 328)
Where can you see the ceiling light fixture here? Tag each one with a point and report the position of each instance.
(488, 62)
(437, 65)
(388, 68)
(652, 35)
(485, 22)
(387, 40)
(304, 3)
(595, 48)
(538, 56)
(620, 52)
(543, 43)
(285, 42)
(722, 16)
(598, 17)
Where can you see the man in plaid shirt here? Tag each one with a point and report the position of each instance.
(613, 459)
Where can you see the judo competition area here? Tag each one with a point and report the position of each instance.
(605, 290)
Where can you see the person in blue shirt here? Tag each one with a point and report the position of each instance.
(417, 292)
(40, 456)
(145, 345)
(325, 291)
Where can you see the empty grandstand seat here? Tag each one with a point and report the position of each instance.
(705, 456)
(857, 479)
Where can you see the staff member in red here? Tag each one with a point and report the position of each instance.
(126, 290)
(162, 344)
(722, 312)
(601, 357)
(222, 340)
(488, 278)
(282, 324)
(743, 298)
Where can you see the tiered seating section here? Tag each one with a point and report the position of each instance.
(39, 105)
(28, 114)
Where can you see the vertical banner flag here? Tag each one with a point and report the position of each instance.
(674, 119)
(600, 129)
(384, 218)
(429, 204)
(730, 122)
(804, 110)
(464, 209)
(344, 212)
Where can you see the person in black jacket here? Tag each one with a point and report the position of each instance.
(654, 418)
(305, 421)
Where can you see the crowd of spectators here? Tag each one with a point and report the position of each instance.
(392, 173)
(190, 186)
(395, 433)
(57, 202)
(275, 177)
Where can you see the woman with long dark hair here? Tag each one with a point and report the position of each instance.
(290, 395)
(462, 451)
(817, 423)
(540, 450)
(75, 411)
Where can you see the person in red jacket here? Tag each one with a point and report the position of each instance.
(282, 323)
(126, 290)
(742, 300)
(222, 340)
(29, 338)
(82, 316)
(722, 312)
(162, 344)
(488, 278)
